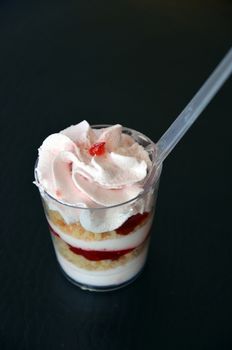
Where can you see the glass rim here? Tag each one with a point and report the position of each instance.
(151, 179)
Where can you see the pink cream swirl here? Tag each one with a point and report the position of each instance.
(90, 167)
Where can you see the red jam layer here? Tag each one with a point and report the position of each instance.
(131, 223)
(96, 255)
(53, 232)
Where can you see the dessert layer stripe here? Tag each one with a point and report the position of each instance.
(131, 240)
(105, 278)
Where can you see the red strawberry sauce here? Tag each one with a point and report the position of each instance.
(131, 223)
(98, 149)
(96, 255)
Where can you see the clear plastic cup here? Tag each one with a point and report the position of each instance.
(109, 260)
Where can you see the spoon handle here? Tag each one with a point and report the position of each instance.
(192, 111)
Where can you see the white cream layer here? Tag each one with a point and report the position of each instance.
(105, 278)
(131, 240)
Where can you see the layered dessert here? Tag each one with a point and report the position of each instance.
(98, 186)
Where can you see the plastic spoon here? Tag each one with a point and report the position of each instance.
(192, 111)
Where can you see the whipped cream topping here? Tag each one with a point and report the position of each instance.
(72, 174)
(68, 171)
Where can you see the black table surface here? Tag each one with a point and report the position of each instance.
(136, 63)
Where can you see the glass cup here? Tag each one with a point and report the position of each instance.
(104, 260)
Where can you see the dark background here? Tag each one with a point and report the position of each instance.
(137, 63)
